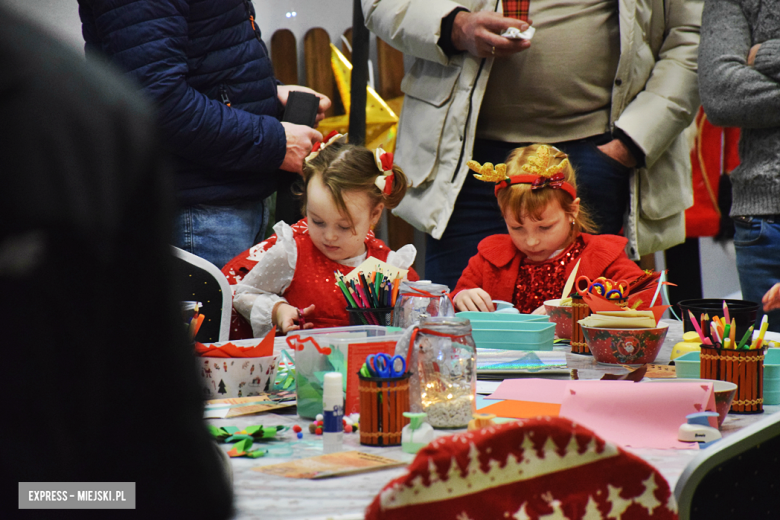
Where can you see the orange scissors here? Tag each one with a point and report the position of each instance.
(603, 287)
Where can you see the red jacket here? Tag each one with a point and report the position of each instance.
(495, 267)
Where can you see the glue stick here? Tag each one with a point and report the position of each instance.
(332, 412)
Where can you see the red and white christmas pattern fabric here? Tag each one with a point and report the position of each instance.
(546, 468)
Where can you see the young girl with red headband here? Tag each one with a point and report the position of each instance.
(292, 285)
(537, 195)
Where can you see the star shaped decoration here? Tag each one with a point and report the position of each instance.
(619, 504)
(381, 119)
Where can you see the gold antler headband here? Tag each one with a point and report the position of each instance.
(539, 173)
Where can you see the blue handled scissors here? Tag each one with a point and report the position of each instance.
(382, 365)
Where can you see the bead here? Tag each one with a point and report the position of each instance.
(299, 435)
(348, 428)
(319, 417)
(318, 431)
(296, 428)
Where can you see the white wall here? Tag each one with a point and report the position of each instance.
(335, 16)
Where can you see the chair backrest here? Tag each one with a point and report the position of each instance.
(737, 477)
(200, 280)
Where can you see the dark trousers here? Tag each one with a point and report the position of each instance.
(602, 184)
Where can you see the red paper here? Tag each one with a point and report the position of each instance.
(355, 359)
(264, 348)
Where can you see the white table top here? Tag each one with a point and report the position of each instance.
(258, 495)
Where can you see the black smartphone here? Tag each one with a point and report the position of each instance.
(301, 108)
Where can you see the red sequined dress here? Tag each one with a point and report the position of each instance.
(537, 282)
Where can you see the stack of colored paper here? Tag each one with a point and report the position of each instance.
(627, 319)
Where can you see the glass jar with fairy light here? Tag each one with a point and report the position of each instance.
(443, 361)
(416, 300)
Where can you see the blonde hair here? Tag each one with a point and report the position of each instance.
(521, 200)
(346, 167)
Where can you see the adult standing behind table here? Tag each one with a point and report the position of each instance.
(611, 89)
(207, 69)
(740, 71)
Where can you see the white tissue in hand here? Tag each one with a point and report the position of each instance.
(516, 34)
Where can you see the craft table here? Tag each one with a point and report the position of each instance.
(261, 496)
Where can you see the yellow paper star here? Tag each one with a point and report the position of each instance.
(381, 120)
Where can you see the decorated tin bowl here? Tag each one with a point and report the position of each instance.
(561, 316)
(724, 393)
(625, 346)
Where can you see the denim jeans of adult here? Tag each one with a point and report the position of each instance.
(602, 184)
(218, 232)
(757, 242)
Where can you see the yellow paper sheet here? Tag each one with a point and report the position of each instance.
(372, 264)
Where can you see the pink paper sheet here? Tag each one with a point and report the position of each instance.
(543, 390)
(639, 415)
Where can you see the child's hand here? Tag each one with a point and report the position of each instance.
(287, 317)
(474, 300)
(540, 310)
(771, 299)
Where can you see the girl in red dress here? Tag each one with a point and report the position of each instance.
(537, 194)
(292, 282)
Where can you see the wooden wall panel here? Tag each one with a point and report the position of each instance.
(319, 74)
(284, 56)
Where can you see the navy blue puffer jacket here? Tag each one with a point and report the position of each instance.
(203, 64)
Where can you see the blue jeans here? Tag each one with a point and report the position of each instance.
(220, 232)
(757, 241)
(602, 184)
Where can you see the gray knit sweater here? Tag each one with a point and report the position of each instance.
(736, 95)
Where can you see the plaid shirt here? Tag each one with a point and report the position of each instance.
(516, 9)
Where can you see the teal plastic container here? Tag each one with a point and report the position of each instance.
(517, 336)
(688, 366)
(477, 318)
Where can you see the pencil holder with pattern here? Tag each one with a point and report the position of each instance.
(745, 368)
(579, 310)
(383, 402)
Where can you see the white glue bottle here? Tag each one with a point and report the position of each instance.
(332, 413)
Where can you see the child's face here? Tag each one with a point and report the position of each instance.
(539, 239)
(330, 230)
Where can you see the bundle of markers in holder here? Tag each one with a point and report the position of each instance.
(723, 331)
(741, 363)
(370, 298)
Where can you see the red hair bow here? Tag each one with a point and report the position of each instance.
(554, 182)
(384, 161)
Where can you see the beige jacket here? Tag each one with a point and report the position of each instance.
(654, 99)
